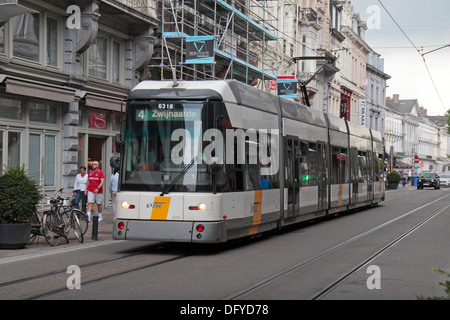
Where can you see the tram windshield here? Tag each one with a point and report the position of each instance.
(163, 142)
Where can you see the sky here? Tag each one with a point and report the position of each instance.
(427, 25)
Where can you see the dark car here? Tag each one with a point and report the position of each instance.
(428, 179)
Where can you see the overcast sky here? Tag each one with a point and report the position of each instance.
(427, 24)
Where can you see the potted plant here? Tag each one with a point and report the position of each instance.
(18, 198)
(393, 179)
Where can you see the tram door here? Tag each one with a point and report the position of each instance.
(292, 175)
(322, 176)
(370, 177)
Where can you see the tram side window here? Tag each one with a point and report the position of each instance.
(344, 170)
(335, 165)
(369, 162)
(304, 164)
(362, 166)
(377, 165)
(313, 164)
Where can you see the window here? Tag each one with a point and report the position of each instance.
(14, 146)
(42, 152)
(52, 42)
(98, 58)
(2, 39)
(26, 36)
(1, 153)
(41, 112)
(304, 165)
(10, 109)
(116, 62)
(105, 59)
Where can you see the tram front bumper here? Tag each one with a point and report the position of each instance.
(176, 231)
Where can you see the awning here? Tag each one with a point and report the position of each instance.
(101, 102)
(402, 165)
(40, 90)
(11, 9)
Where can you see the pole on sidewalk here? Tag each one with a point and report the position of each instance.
(95, 228)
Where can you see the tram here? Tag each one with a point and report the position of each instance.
(211, 161)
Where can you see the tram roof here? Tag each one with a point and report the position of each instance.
(231, 91)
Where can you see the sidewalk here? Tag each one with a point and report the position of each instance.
(40, 245)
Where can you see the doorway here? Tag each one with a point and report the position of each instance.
(96, 151)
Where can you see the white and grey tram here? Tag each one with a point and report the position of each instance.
(210, 161)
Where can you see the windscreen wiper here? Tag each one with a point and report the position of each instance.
(188, 166)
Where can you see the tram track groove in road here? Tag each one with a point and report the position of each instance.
(303, 263)
(55, 275)
(364, 263)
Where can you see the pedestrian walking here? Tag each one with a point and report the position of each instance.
(94, 190)
(113, 188)
(79, 189)
(404, 178)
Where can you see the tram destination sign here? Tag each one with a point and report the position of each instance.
(167, 115)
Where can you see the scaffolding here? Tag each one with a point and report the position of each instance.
(241, 34)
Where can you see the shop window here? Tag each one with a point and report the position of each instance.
(10, 109)
(41, 112)
(42, 153)
(14, 146)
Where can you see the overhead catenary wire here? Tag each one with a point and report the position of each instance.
(419, 52)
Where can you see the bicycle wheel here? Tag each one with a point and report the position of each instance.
(83, 219)
(35, 225)
(51, 226)
(72, 228)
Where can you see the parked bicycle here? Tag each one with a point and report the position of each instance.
(36, 226)
(69, 205)
(60, 222)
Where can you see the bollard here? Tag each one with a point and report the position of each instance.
(94, 228)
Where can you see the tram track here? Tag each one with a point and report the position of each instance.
(53, 282)
(342, 278)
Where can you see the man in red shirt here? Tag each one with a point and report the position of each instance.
(94, 189)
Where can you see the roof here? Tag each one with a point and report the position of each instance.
(404, 106)
(440, 121)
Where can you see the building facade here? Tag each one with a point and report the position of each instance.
(411, 133)
(65, 68)
(375, 113)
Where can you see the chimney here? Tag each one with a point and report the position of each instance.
(396, 98)
(423, 112)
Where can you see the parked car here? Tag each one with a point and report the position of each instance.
(445, 179)
(428, 179)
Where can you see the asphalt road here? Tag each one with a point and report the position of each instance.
(379, 253)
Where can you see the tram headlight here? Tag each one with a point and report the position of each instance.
(126, 205)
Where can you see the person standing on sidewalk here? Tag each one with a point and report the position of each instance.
(113, 188)
(94, 190)
(80, 185)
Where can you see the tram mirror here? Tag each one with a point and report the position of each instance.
(114, 162)
(212, 168)
(119, 142)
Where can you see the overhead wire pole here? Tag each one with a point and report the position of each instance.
(422, 55)
(303, 84)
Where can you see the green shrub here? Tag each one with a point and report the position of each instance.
(394, 177)
(18, 196)
(445, 284)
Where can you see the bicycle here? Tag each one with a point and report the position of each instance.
(82, 217)
(36, 221)
(58, 224)
(36, 226)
